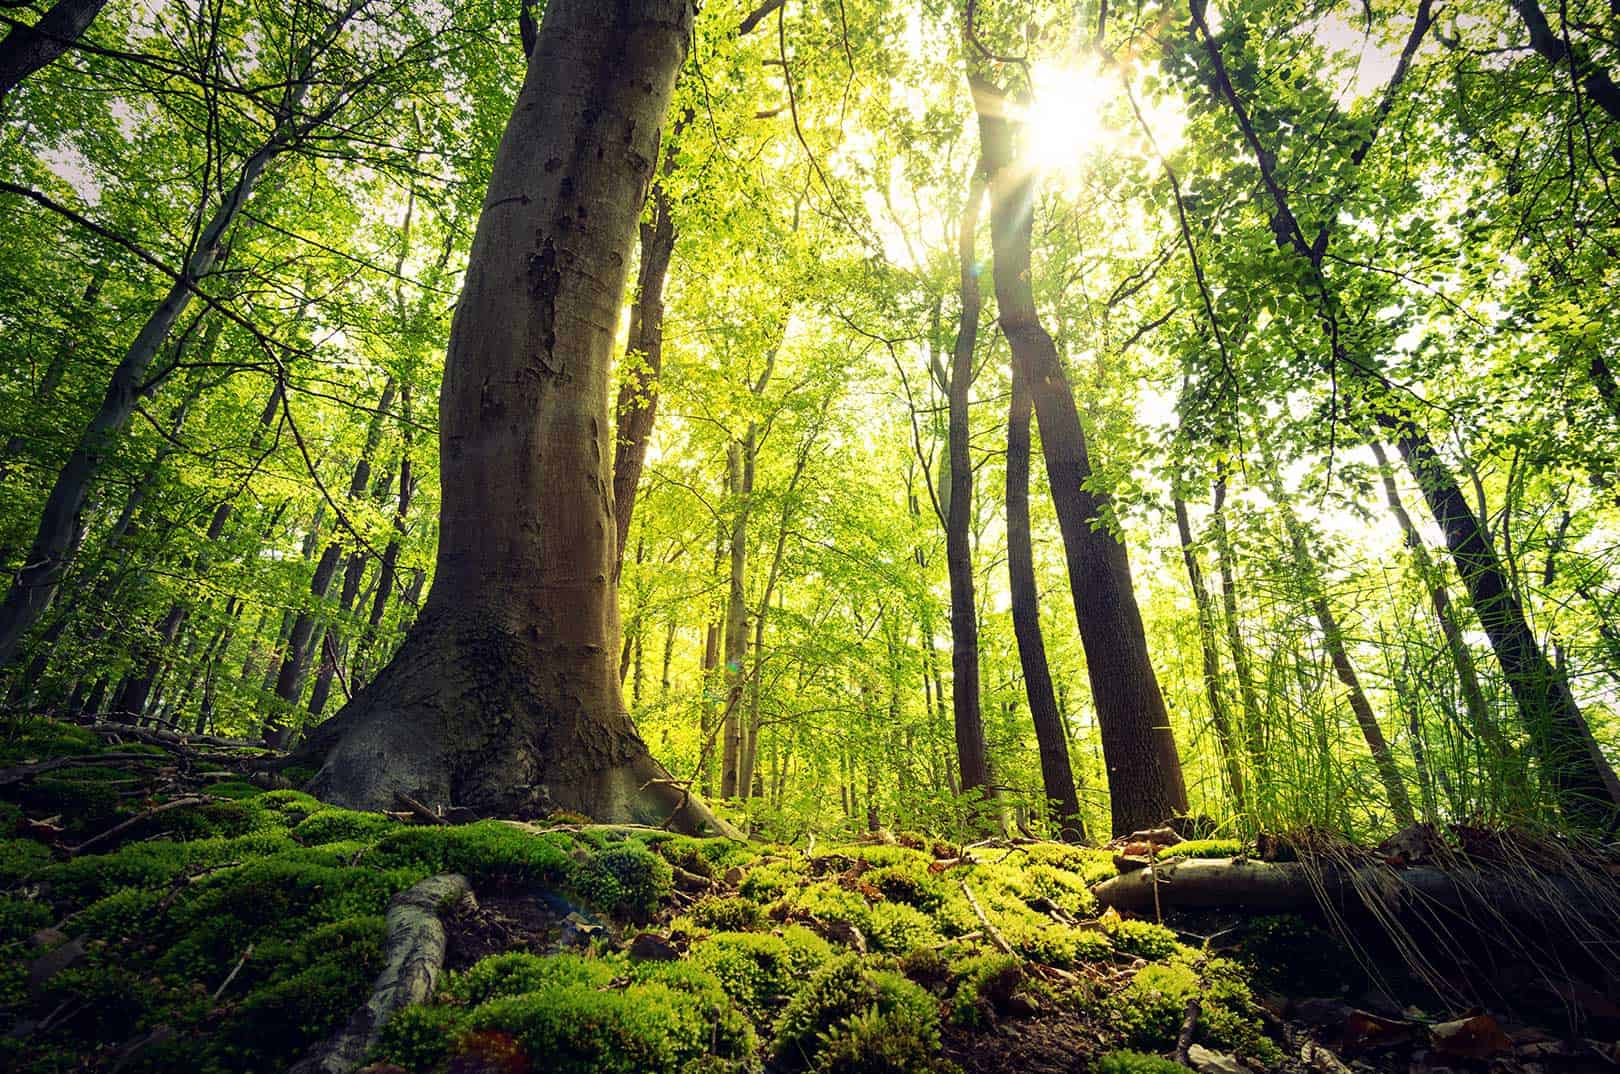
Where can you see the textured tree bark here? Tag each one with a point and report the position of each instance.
(637, 406)
(740, 466)
(504, 695)
(27, 49)
(1225, 739)
(971, 754)
(1057, 776)
(1144, 771)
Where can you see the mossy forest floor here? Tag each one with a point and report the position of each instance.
(237, 930)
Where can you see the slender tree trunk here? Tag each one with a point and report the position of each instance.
(638, 391)
(1057, 776)
(1225, 739)
(1389, 773)
(34, 586)
(505, 695)
(1144, 770)
(26, 49)
(972, 755)
(1242, 668)
(55, 370)
(740, 465)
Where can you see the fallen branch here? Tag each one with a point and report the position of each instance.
(144, 815)
(226, 983)
(1189, 1026)
(417, 809)
(173, 739)
(995, 935)
(413, 956)
(18, 773)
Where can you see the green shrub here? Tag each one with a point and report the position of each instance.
(516, 972)
(627, 880)
(841, 989)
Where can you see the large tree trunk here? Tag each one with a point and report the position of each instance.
(26, 49)
(504, 695)
(1144, 771)
(972, 755)
(1057, 776)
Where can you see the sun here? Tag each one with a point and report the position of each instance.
(1064, 122)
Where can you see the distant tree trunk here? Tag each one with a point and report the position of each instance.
(1254, 729)
(387, 570)
(504, 695)
(299, 653)
(1481, 721)
(26, 49)
(1057, 777)
(1225, 739)
(1389, 773)
(34, 586)
(972, 755)
(740, 466)
(1144, 770)
(51, 379)
(637, 406)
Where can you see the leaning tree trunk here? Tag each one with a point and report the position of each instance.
(504, 695)
(1144, 771)
(26, 49)
(1057, 776)
(971, 752)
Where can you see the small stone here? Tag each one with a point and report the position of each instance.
(651, 947)
(48, 937)
(48, 965)
(734, 876)
(1207, 1062)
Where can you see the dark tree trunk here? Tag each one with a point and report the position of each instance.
(1144, 771)
(1253, 729)
(1057, 776)
(740, 463)
(1569, 60)
(26, 49)
(1580, 777)
(505, 695)
(971, 754)
(638, 391)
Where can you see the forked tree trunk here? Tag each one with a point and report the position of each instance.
(971, 753)
(1057, 776)
(504, 695)
(1144, 771)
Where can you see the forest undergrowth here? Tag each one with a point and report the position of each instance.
(172, 905)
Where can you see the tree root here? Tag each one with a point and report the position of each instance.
(413, 955)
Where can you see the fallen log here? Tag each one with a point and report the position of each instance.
(176, 739)
(1240, 883)
(413, 955)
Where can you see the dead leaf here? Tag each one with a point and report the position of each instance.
(1478, 1037)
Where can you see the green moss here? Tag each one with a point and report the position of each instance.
(648, 1028)
(1137, 1063)
(22, 859)
(290, 806)
(82, 797)
(770, 881)
(727, 913)
(758, 970)
(874, 1042)
(419, 1038)
(335, 825)
(1202, 848)
(731, 1034)
(35, 738)
(489, 852)
(841, 989)
(225, 819)
(705, 857)
(1150, 1010)
(234, 788)
(1142, 938)
(516, 972)
(123, 913)
(984, 985)
(21, 918)
(627, 880)
(897, 928)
